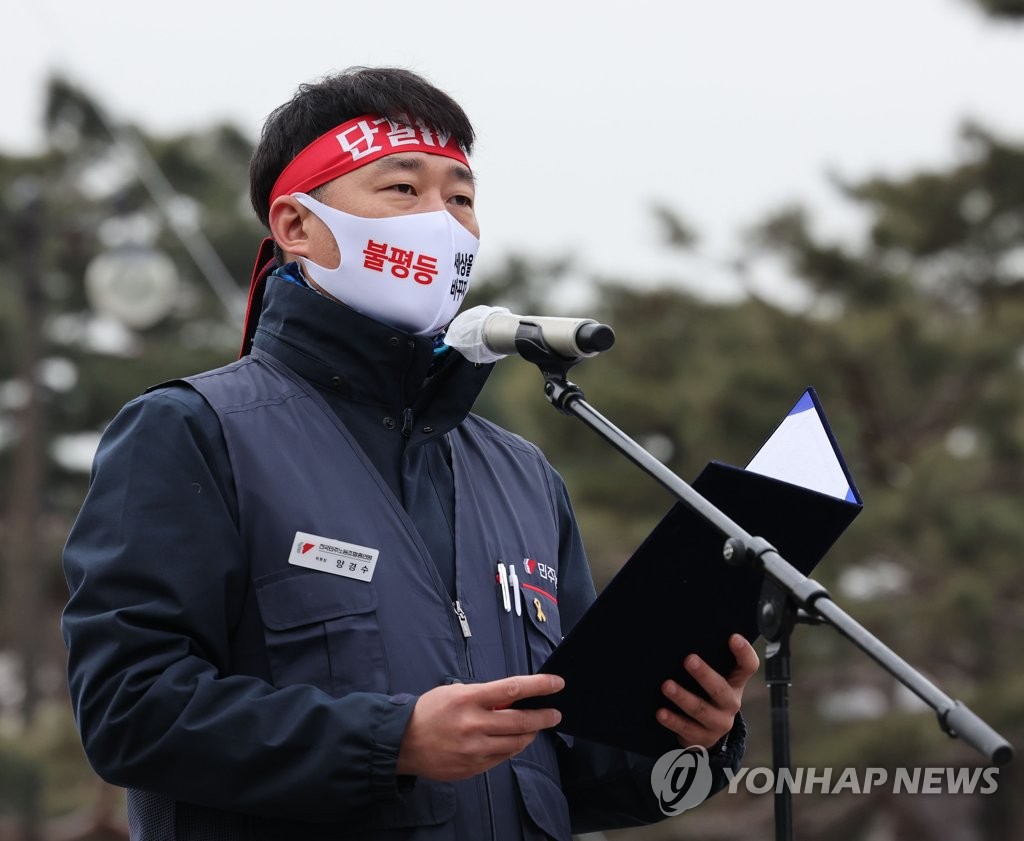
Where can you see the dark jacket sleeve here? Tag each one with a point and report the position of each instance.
(158, 580)
(609, 788)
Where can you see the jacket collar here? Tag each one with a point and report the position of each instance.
(361, 359)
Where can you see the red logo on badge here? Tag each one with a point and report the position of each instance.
(306, 547)
(530, 564)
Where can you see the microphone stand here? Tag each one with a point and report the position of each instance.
(787, 596)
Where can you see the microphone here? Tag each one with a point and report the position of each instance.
(486, 334)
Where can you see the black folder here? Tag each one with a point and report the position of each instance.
(676, 595)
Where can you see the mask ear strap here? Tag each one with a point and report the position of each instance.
(264, 265)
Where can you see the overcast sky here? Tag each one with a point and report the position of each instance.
(586, 112)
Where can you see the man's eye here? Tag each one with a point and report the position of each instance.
(408, 189)
(463, 201)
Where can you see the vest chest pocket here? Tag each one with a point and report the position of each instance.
(543, 626)
(322, 630)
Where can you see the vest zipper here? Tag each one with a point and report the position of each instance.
(406, 422)
(463, 620)
(466, 634)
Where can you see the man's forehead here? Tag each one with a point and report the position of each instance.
(419, 161)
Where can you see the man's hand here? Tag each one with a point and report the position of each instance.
(461, 730)
(706, 721)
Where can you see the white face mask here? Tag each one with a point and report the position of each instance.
(410, 271)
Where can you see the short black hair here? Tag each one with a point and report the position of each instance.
(317, 107)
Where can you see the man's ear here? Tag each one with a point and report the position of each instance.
(290, 226)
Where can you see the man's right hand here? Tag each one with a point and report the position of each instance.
(464, 729)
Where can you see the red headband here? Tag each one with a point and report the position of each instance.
(355, 144)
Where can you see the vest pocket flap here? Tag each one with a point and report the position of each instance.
(543, 799)
(313, 597)
(542, 611)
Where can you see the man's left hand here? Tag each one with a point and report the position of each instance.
(707, 720)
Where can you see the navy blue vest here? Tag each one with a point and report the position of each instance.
(297, 469)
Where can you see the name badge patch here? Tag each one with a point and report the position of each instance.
(334, 556)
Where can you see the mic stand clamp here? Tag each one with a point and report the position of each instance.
(777, 616)
(558, 389)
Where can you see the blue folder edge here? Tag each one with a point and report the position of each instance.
(854, 495)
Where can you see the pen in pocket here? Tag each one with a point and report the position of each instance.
(514, 581)
(503, 583)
